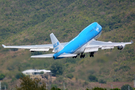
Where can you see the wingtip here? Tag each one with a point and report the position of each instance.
(51, 34)
(3, 45)
(131, 41)
(32, 57)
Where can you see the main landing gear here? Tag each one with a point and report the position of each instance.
(75, 57)
(82, 55)
(91, 54)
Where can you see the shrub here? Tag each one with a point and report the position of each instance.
(2, 76)
(98, 88)
(92, 78)
(91, 71)
(102, 81)
(60, 79)
(57, 69)
(19, 75)
(69, 76)
(124, 68)
(55, 88)
(116, 80)
(85, 83)
(115, 89)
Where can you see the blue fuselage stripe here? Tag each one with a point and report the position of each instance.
(85, 36)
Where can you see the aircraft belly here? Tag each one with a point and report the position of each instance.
(80, 50)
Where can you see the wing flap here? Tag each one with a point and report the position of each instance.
(107, 47)
(46, 49)
(90, 49)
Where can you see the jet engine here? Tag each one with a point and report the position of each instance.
(120, 47)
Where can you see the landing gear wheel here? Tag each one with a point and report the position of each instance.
(92, 54)
(75, 57)
(82, 55)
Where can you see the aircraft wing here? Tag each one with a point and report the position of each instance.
(94, 45)
(44, 47)
(51, 55)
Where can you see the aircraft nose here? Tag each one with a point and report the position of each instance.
(100, 27)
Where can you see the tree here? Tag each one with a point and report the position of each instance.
(57, 69)
(115, 89)
(54, 88)
(92, 78)
(126, 87)
(30, 84)
(18, 75)
(2, 76)
(98, 88)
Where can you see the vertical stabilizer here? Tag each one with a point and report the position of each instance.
(56, 44)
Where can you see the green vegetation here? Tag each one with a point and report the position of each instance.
(30, 22)
(2, 76)
(57, 69)
(102, 81)
(97, 88)
(115, 89)
(53, 88)
(4, 85)
(29, 84)
(126, 87)
(69, 76)
(19, 75)
(93, 78)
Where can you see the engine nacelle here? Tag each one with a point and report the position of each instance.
(120, 47)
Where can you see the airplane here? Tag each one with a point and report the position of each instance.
(85, 42)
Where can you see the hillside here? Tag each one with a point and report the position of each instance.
(31, 22)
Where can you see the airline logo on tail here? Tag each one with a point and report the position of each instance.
(56, 46)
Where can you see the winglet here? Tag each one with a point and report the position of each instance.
(3, 45)
(131, 41)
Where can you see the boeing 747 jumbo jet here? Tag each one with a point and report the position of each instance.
(84, 42)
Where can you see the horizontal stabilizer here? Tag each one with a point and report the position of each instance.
(51, 55)
(67, 55)
(131, 41)
(43, 56)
